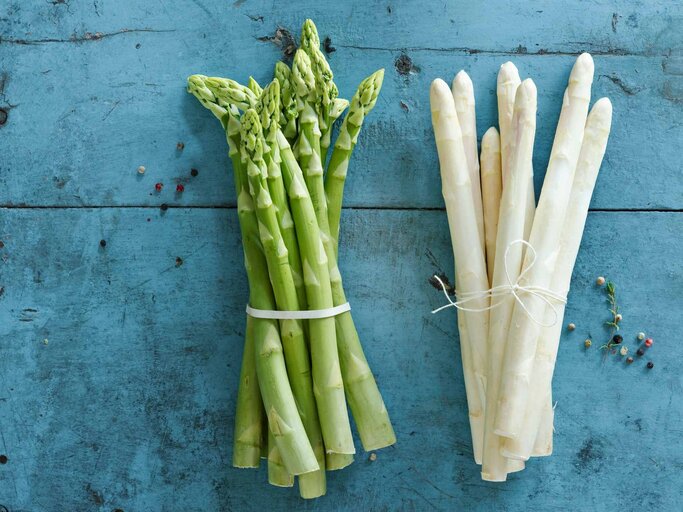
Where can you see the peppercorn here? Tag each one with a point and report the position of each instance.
(103, 243)
(629, 359)
(164, 207)
(617, 338)
(180, 146)
(650, 365)
(571, 327)
(194, 172)
(649, 342)
(158, 186)
(180, 188)
(141, 169)
(600, 281)
(618, 317)
(641, 335)
(587, 343)
(640, 351)
(623, 351)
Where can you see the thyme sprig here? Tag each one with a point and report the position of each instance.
(613, 323)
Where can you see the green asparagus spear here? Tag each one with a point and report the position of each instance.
(361, 104)
(277, 472)
(327, 107)
(250, 422)
(268, 108)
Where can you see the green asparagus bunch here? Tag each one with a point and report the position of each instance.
(297, 375)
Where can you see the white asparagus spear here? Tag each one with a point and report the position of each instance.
(463, 96)
(592, 152)
(508, 81)
(545, 238)
(543, 444)
(475, 406)
(467, 248)
(491, 190)
(508, 265)
(530, 207)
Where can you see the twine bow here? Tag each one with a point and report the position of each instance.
(515, 288)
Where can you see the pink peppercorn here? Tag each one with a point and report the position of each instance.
(180, 187)
(649, 342)
(158, 186)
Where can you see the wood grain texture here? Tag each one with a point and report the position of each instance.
(119, 365)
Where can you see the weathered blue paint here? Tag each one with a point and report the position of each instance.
(129, 404)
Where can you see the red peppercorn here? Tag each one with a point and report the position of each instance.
(180, 188)
(158, 186)
(649, 342)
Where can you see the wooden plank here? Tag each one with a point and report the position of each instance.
(108, 104)
(496, 26)
(129, 403)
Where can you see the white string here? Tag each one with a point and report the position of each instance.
(313, 314)
(516, 289)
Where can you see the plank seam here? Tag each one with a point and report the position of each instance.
(520, 50)
(234, 207)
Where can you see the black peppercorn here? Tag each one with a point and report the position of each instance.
(617, 338)
(194, 172)
(650, 365)
(640, 351)
(103, 243)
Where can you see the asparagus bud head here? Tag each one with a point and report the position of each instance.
(310, 40)
(230, 92)
(254, 86)
(196, 86)
(302, 79)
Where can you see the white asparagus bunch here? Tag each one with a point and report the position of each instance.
(509, 337)
(471, 274)
(592, 151)
(544, 238)
(508, 262)
(491, 191)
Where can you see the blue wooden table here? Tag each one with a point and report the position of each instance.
(119, 364)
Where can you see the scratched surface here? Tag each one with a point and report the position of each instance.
(119, 364)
